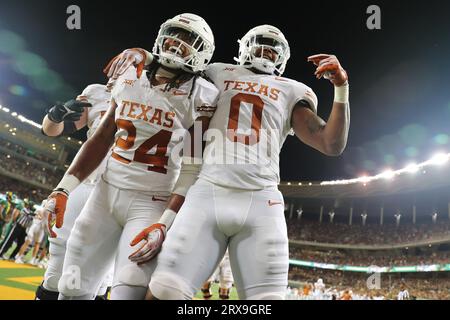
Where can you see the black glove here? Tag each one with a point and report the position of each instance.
(69, 111)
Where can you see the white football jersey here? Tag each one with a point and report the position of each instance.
(100, 98)
(252, 121)
(150, 122)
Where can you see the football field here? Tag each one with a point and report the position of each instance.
(19, 282)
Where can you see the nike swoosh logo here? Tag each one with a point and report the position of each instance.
(179, 93)
(273, 203)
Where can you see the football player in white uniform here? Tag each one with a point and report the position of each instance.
(237, 205)
(148, 116)
(86, 110)
(319, 289)
(35, 235)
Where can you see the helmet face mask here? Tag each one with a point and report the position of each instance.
(264, 48)
(185, 42)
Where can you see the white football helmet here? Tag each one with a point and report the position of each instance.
(253, 51)
(190, 32)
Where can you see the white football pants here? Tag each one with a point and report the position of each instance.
(102, 234)
(250, 223)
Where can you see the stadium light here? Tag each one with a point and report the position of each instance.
(388, 174)
(439, 159)
(412, 168)
(364, 179)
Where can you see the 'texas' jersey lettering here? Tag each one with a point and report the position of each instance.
(149, 122)
(252, 87)
(152, 115)
(253, 118)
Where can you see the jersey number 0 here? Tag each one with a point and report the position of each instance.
(257, 109)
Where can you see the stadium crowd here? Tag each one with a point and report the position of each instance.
(26, 152)
(29, 170)
(420, 285)
(370, 234)
(368, 259)
(22, 190)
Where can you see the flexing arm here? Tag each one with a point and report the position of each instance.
(328, 137)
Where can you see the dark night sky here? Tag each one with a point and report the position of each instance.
(399, 75)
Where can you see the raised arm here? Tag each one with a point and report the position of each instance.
(328, 137)
(65, 118)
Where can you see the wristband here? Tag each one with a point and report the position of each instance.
(167, 218)
(341, 93)
(67, 184)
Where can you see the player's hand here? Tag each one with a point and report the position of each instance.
(150, 240)
(328, 66)
(55, 207)
(120, 63)
(71, 110)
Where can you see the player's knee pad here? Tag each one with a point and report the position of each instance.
(268, 296)
(167, 286)
(44, 294)
(51, 280)
(133, 275)
(124, 292)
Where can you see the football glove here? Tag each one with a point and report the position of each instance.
(152, 238)
(329, 67)
(55, 207)
(130, 57)
(69, 111)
